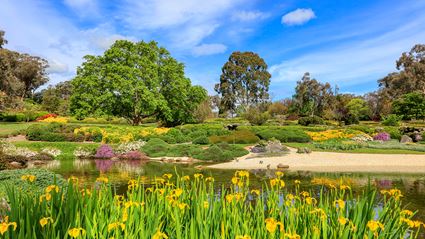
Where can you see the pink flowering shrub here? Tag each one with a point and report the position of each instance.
(105, 151)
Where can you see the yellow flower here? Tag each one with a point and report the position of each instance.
(344, 187)
(272, 224)
(297, 182)
(310, 200)
(340, 203)
(160, 235)
(185, 178)
(182, 206)
(167, 175)
(132, 184)
(76, 232)
(85, 192)
(4, 226)
(305, 194)
(209, 179)
(406, 212)
(229, 197)
(392, 193)
(342, 220)
(125, 215)
(279, 174)
(102, 179)
(29, 178)
(242, 174)
(198, 175)
(116, 225)
(243, 237)
(45, 220)
(292, 235)
(374, 225)
(206, 204)
(319, 212)
(235, 180)
(51, 188)
(73, 179)
(149, 190)
(255, 191)
(277, 182)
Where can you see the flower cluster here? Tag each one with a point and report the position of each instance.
(52, 151)
(362, 138)
(105, 151)
(332, 134)
(43, 117)
(130, 146)
(62, 120)
(82, 152)
(383, 136)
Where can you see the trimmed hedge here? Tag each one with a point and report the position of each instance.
(53, 132)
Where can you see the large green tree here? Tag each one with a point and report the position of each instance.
(411, 75)
(55, 99)
(244, 82)
(20, 75)
(135, 80)
(312, 97)
(410, 105)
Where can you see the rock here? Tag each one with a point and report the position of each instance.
(406, 139)
(282, 166)
(15, 164)
(38, 162)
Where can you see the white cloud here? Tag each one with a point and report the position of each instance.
(57, 67)
(186, 23)
(84, 8)
(353, 63)
(298, 17)
(246, 16)
(209, 49)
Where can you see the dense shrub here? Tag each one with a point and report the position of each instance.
(221, 152)
(174, 136)
(283, 134)
(201, 140)
(392, 120)
(256, 117)
(363, 128)
(315, 120)
(24, 116)
(383, 136)
(394, 132)
(14, 117)
(237, 137)
(350, 119)
(337, 145)
(53, 132)
(133, 155)
(155, 147)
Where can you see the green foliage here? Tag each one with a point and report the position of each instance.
(393, 131)
(12, 178)
(410, 106)
(255, 116)
(391, 120)
(334, 144)
(201, 140)
(315, 120)
(244, 82)
(149, 82)
(284, 134)
(174, 136)
(53, 132)
(236, 137)
(358, 108)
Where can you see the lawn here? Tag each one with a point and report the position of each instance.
(360, 150)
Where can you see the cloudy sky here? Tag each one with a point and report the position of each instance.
(350, 43)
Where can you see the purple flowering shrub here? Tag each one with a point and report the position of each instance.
(105, 151)
(383, 136)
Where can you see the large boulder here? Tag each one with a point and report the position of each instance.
(406, 139)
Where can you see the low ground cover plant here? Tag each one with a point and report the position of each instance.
(196, 207)
(236, 137)
(283, 134)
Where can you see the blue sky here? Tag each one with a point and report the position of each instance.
(350, 43)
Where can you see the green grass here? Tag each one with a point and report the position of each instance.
(67, 148)
(8, 128)
(360, 150)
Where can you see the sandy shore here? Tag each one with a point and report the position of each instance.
(332, 162)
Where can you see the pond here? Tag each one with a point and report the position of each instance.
(120, 171)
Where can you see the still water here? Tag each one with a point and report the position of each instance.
(120, 171)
